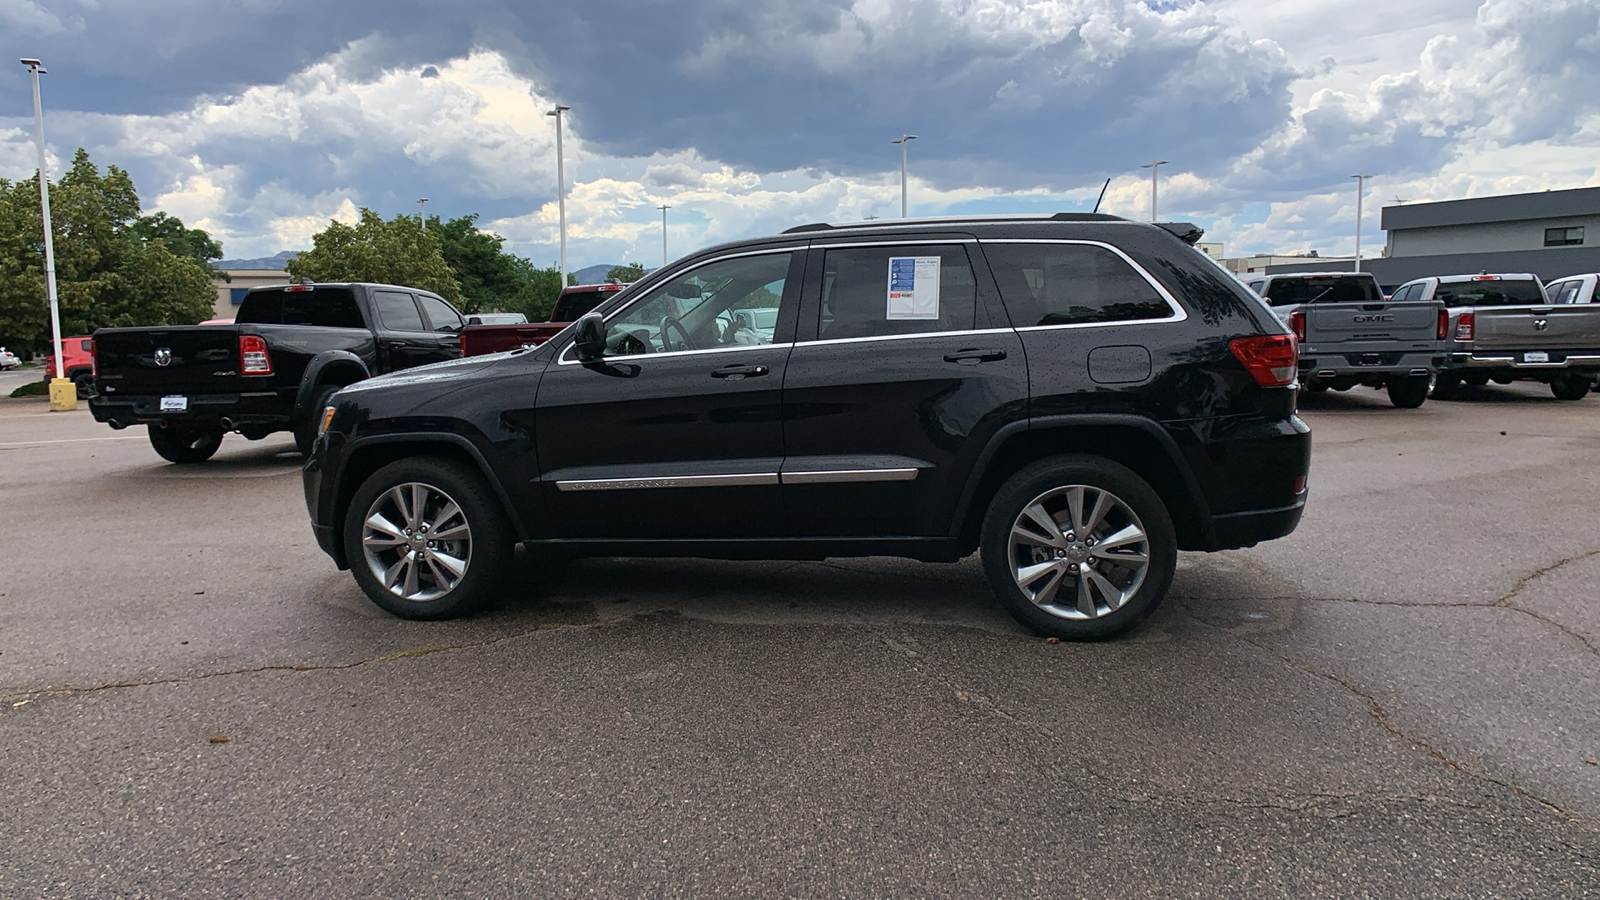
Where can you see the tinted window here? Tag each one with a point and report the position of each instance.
(443, 317)
(1490, 292)
(1408, 293)
(324, 307)
(87, 346)
(1064, 284)
(1563, 291)
(577, 303)
(397, 311)
(879, 291)
(692, 311)
(1563, 237)
(1350, 288)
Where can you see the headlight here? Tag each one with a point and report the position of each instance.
(327, 419)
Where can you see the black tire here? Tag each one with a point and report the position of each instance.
(487, 555)
(1049, 482)
(84, 384)
(1316, 387)
(305, 434)
(1476, 379)
(1446, 387)
(1570, 386)
(1409, 392)
(184, 444)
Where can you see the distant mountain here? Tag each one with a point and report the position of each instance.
(266, 262)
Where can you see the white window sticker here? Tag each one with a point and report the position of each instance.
(913, 287)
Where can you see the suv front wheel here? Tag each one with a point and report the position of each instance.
(1078, 547)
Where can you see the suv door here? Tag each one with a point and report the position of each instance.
(904, 369)
(446, 324)
(677, 431)
(404, 338)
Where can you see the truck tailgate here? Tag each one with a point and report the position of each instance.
(179, 360)
(1357, 327)
(1566, 327)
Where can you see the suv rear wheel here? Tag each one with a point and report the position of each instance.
(426, 539)
(1078, 547)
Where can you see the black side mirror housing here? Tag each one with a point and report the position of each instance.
(590, 336)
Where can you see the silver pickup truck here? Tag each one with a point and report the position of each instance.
(1349, 334)
(1504, 328)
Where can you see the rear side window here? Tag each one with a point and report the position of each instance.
(1495, 292)
(1331, 289)
(397, 311)
(1407, 293)
(883, 291)
(443, 317)
(322, 307)
(1067, 284)
(1563, 291)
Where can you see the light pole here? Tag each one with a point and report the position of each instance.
(422, 210)
(1153, 167)
(1361, 181)
(561, 190)
(902, 141)
(63, 394)
(663, 207)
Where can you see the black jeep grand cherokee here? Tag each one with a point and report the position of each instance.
(1076, 397)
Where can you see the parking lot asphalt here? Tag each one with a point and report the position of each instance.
(1400, 699)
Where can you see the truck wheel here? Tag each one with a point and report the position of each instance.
(1078, 547)
(183, 444)
(1570, 386)
(84, 384)
(427, 539)
(1409, 392)
(1316, 387)
(1476, 379)
(305, 435)
(1446, 387)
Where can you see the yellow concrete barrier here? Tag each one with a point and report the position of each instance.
(63, 395)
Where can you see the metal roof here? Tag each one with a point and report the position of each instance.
(1505, 208)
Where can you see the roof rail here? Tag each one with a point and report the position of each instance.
(997, 217)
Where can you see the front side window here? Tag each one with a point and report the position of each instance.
(715, 305)
(397, 311)
(908, 289)
(440, 314)
(1563, 237)
(1070, 284)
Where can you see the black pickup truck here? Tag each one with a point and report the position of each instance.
(291, 347)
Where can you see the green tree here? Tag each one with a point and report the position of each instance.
(625, 274)
(399, 251)
(194, 243)
(490, 277)
(538, 292)
(106, 273)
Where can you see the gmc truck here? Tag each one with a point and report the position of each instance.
(291, 347)
(575, 301)
(1349, 334)
(1503, 328)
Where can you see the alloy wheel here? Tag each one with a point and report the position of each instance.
(417, 541)
(1078, 552)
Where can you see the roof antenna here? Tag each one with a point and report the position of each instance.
(1102, 196)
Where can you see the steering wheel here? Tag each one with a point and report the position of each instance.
(672, 322)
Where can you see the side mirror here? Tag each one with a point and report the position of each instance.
(590, 339)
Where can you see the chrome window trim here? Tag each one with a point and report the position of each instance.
(832, 476)
(801, 246)
(731, 348)
(902, 337)
(1180, 314)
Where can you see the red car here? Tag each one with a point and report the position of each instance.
(77, 355)
(575, 300)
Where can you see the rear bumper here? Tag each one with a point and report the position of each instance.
(265, 409)
(1315, 365)
(1246, 529)
(1515, 359)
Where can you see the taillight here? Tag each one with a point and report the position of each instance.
(1444, 324)
(94, 361)
(1464, 326)
(1297, 324)
(253, 356)
(1273, 360)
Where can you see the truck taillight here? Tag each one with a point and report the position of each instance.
(1444, 324)
(1297, 324)
(253, 356)
(94, 361)
(1465, 326)
(1273, 360)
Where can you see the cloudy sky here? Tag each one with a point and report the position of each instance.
(260, 120)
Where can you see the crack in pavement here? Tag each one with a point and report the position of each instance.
(1536, 574)
(1382, 718)
(71, 690)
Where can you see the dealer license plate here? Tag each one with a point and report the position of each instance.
(174, 404)
(1535, 356)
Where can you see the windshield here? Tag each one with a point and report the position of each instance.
(1350, 288)
(1498, 292)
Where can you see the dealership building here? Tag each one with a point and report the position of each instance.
(1550, 233)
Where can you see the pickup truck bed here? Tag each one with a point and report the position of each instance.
(575, 301)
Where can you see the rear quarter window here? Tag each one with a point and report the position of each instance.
(1069, 284)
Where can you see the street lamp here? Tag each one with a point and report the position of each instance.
(1153, 166)
(663, 207)
(63, 393)
(561, 190)
(1361, 181)
(422, 210)
(902, 141)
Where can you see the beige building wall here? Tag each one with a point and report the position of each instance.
(243, 280)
